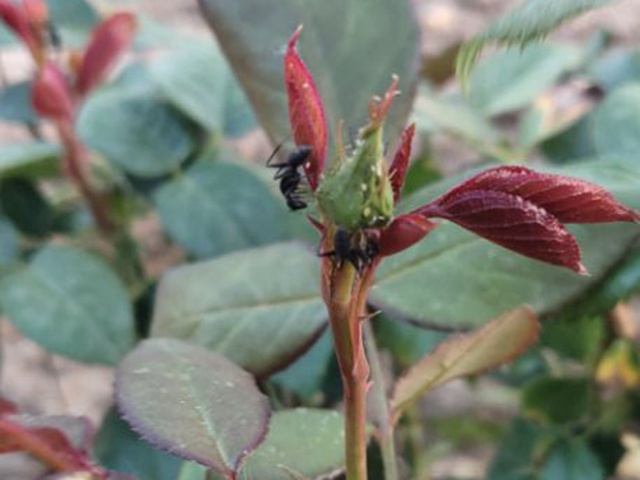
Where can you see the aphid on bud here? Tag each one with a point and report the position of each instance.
(357, 248)
(290, 176)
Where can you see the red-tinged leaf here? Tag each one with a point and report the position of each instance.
(568, 199)
(50, 94)
(7, 407)
(306, 110)
(510, 221)
(404, 232)
(400, 163)
(108, 42)
(498, 342)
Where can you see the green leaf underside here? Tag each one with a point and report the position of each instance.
(71, 303)
(530, 21)
(28, 159)
(307, 441)
(192, 403)
(495, 343)
(215, 208)
(260, 307)
(351, 51)
(121, 449)
(454, 279)
(198, 81)
(136, 130)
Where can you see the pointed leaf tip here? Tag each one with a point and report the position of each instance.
(400, 163)
(496, 343)
(306, 110)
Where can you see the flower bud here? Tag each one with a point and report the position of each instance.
(356, 192)
(108, 42)
(50, 94)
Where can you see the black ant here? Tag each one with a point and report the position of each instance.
(359, 249)
(290, 176)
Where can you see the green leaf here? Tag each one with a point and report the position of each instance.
(515, 457)
(28, 159)
(406, 342)
(136, 130)
(530, 21)
(26, 207)
(15, 103)
(454, 115)
(74, 20)
(305, 376)
(194, 471)
(557, 400)
(71, 303)
(9, 244)
(615, 69)
(215, 208)
(119, 448)
(616, 123)
(192, 402)
(512, 79)
(571, 460)
(454, 279)
(261, 308)
(197, 81)
(576, 143)
(495, 343)
(619, 284)
(578, 339)
(351, 51)
(307, 441)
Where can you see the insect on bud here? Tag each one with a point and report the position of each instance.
(357, 192)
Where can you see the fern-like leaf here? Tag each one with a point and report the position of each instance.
(529, 22)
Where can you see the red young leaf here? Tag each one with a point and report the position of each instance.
(568, 199)
(15, 17)
(400, 163)
(108, 42)
(50, 94)
(306, 111)
(509, 221)
(404, 232)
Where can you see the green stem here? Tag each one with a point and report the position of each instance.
(380, 406)
(347, 333)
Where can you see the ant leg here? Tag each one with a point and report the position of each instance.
(272, 156)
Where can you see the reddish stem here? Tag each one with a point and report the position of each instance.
(347, 295)
(35, 446)
(75, 167)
